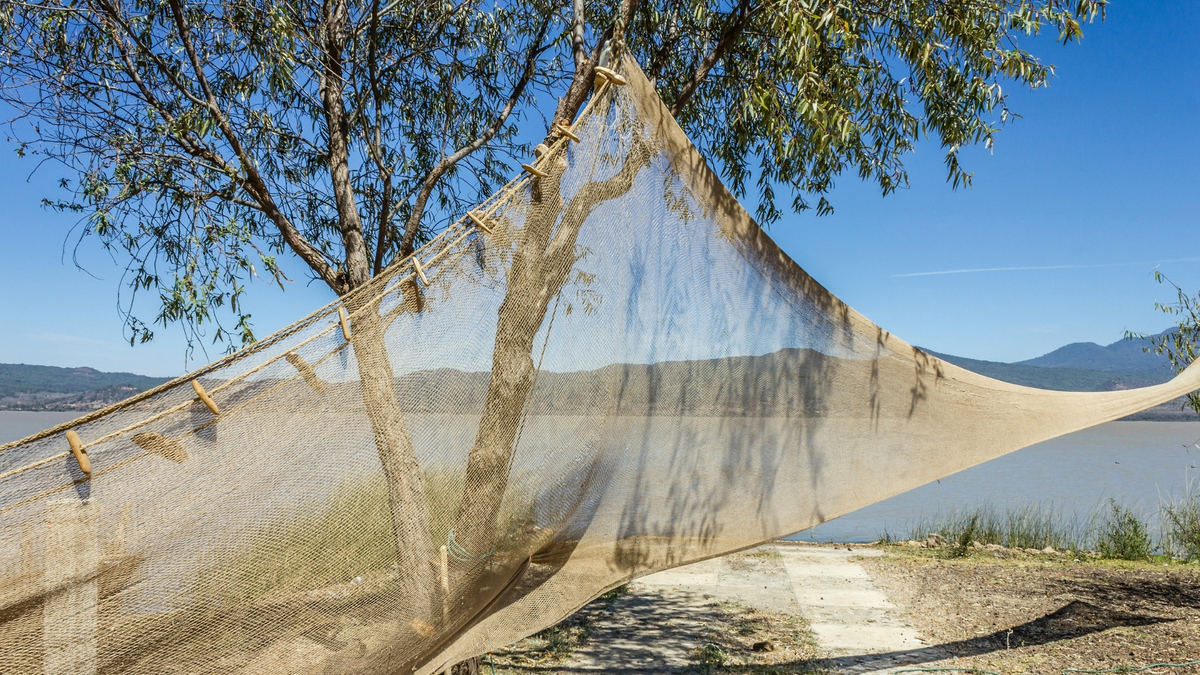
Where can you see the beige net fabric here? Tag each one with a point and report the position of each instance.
(603, 372)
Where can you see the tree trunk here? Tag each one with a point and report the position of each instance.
(401, 470)
(540, 267)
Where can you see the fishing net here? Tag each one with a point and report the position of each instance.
(605, 370)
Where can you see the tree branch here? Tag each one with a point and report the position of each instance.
(254, 183)
(448, 162)
(732, 32)
(581, 84)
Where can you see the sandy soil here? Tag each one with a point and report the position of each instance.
(1043, 613)
(997, 611)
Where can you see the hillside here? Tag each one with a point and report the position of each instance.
(1122, 356)
(1059, 379)
(1081, 379)
(24, 387)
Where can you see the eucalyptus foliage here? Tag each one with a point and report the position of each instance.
(1181, 345)
(208, 138)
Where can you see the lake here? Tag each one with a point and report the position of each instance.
(1138, 463)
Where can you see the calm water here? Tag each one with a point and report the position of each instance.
(1138, 463)
(17, 425)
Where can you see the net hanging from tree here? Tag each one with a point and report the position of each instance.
(605, 370)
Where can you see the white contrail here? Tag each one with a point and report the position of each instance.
(1040, 267)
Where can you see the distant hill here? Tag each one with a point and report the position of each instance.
(1104, 373)
(1083, 366)
(1122, 356)
(1059, 379)
(24, 387)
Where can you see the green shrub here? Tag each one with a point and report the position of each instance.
(1181, 527)
(711, 655)
(1122, 535)
(964, 539)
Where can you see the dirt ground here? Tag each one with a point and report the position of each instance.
(1044, 613)
(1002, 612)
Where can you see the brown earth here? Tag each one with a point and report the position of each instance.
(1042, 613)
(1006, 612)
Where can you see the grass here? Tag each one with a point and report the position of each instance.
(346, 538)
(1029, 526)
(1113, 532)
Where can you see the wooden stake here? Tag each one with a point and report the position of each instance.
(445, 560)
(79, 451)
(345, 321)
(420, 272)
(611, 75)
(534, 171)
(566, 131)
(478, 222)
(212, 405)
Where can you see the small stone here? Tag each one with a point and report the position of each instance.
(994, 547)
(976, 545)
(764, 646)
(1049, 550)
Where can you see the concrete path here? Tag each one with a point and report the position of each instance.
(660, 621)
(850, 616)
(847, 612)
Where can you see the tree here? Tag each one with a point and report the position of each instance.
(1181, 345)
(209, 138)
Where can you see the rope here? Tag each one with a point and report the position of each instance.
(463, 225)
(182, 406)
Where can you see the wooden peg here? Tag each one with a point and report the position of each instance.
(534, 171)
(345, 321)
(478, 222)
(611, 75)
(79, 451)
(205, 397)
(420, 271)
(566, 131)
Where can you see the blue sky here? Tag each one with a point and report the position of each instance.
(1093, 187)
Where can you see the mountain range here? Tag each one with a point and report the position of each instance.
(1080, 366)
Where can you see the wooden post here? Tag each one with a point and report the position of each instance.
(72, 591)
(445, 583)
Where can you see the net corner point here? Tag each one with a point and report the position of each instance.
(77, 449)
(205, 398)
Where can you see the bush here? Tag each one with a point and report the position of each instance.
(1122, 535)
(1181, 527)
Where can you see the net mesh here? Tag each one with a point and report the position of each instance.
(600, 373)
